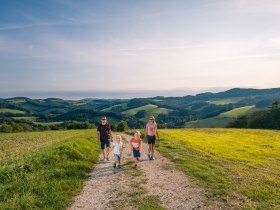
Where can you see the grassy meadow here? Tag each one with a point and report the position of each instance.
(222, 119)
(150, 109)
(44, 170)
(242, 167)
(13, 111)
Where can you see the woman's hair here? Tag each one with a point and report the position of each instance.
(119, 136)
(153, 118)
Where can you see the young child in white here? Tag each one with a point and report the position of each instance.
(117, 151)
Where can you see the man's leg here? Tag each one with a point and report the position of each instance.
(103, 153)
(107, 153)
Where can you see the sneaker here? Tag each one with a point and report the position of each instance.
(103, 159)
(152, 158)
(149, 157)
(119, 166)
(114, 166)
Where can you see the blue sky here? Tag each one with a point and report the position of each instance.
(140, 48)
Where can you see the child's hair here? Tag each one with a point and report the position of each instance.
(137, 133)
(120, 137)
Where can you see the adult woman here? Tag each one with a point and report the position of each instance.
(150, 134)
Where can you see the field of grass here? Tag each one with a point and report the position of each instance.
(150, 110)
(237, 111)
(48, 123)
(45, 170)
(221, 120)
(241, 167)
(13, 111)
(213, 122)
(116, 107)
(25, 118)
(233, 100)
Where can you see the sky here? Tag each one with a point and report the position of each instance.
(122, 48)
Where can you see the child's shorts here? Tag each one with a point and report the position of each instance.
(136, 153)
(117, 157)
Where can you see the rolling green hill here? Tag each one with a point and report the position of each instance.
(233, 100)
(237, 111)
(201, 110)
(222, 119)
(13, 111)
(150, 109)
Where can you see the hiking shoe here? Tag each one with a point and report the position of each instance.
(114, 166)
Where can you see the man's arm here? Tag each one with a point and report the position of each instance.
(110, 133)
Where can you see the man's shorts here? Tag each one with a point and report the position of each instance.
(136, 153)
(117, 156)
(151, 139)
(105, 142)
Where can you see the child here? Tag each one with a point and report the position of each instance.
(117, 150)
(135, 145)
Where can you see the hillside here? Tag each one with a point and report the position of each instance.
(201, 110)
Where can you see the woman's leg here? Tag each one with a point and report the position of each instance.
(152, 149)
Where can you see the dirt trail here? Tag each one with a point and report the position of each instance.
(109, 188)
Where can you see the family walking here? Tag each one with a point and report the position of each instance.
(105, 138)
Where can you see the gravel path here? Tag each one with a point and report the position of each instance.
(109, 188)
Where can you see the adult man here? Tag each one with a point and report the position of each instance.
(104, 136)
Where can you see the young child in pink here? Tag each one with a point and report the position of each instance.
(135, 145)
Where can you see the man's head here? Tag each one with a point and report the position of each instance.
(103, 120)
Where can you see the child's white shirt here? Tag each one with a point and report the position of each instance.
(117, 148)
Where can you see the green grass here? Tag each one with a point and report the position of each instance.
(140, 198)
(237, 111)
(50, 172)
(48, 123)
(233, 100)
(13, 111)
(118, 106)
(25, 118)
(221, 120)
(229, 163)
(150, 110)
(17, 101)
(213, 122)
